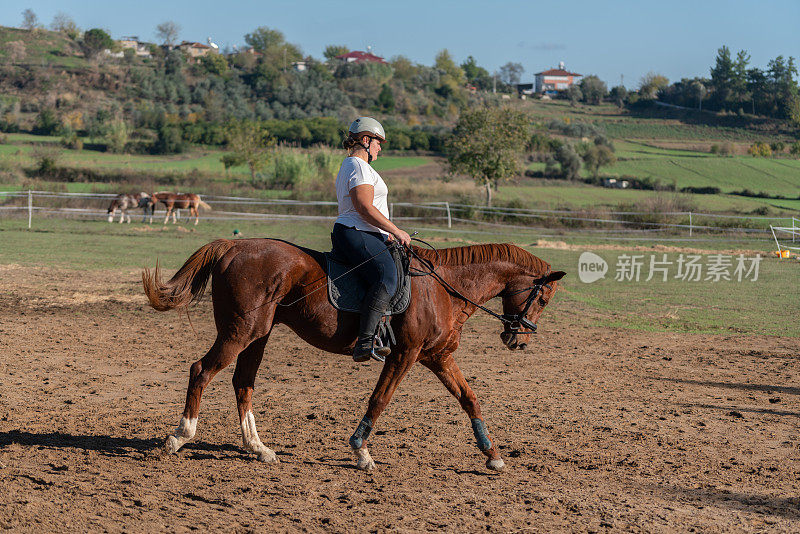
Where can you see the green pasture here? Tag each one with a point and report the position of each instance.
(555, 194)
(21, 149)
(765, 306)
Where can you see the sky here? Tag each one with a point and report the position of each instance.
(619, 41)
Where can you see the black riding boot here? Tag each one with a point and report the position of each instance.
(374, 306)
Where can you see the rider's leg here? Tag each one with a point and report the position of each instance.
(380, 275)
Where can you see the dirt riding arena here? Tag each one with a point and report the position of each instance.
(601, 429)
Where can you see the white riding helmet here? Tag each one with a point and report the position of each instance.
(368, 125)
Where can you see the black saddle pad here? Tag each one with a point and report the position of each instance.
(346, 290)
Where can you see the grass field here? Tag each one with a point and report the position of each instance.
(765, 306)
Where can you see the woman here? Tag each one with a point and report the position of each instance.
(363, 230)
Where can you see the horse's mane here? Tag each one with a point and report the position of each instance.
(485, 254)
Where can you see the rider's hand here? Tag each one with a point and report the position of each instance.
(403, 237)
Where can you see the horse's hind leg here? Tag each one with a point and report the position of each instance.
(393, 372)
(244, 378)
(221, 354)
(196, 215)
(167, 217)
(447, 371)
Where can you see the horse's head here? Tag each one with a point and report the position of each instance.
(524, 299)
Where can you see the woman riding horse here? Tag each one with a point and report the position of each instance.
(363, 229)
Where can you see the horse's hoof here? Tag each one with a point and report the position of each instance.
(495, 464)
(364, 461)
(268, 457)
(172, 446)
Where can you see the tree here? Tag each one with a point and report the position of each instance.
(386, 98)
(63, 23)
(697, 91)
(511, 73)
(570, 161)
(333, 51)
(271, 43)
(651, 83)
(487, 145)
(444, 62)
(214, 64)
(167, 32)
(250, 143)
(593, 89)
(29, 20)
(598, 155)
(476, 75)
(95, 41)
(574, 94)
(619, 94)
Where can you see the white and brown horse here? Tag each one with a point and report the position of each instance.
(175, 202)
(125, 202)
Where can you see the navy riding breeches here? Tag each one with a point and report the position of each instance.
(357, 246)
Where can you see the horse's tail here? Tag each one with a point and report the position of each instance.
(201, 204)
(189, 283)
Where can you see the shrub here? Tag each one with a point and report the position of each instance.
(47, 123)
(46, 158)
(761, 150)
(71, 140)
(777, 146)
(794, 150)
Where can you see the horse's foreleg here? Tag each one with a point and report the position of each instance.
(128, 217)
(243, 379)
(167, 217)
(200, 374)
(393, 372)
(448, 372)
(175, 213)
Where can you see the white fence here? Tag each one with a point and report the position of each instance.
(93, 206)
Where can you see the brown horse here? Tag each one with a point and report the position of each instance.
(125, 202)
(175, 202)
(258, 283)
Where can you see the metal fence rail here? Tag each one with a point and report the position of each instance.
(232, 208)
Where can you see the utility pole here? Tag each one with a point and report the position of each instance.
(494, 83)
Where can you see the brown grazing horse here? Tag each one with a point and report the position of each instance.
(125, 202)
(258, 283)
(175, 202)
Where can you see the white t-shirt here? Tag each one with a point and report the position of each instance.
(354, 172)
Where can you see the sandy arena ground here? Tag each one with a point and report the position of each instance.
(601, 429)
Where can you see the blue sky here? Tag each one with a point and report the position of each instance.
(608, 38)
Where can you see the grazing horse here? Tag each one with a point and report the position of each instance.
(125, 202)
(175, 202)
(258, 283)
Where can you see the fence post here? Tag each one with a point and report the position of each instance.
(391, 211)
(793, 230)
(30, 208)
(690, 224)
(450, 221)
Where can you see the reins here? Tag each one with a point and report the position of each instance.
(514, 321)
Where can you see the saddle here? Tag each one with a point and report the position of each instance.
(346, 291)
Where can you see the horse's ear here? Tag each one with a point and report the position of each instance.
(552, 277)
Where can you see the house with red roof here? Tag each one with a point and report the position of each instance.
(357, 56)
(555, 80)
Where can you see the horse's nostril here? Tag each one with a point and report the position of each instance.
(522, 346)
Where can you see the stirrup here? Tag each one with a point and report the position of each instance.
(376, 352)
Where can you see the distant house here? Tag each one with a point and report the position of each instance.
(361, 57)
(132, 42)
(301, 66)
(555, 80)
(194, 50)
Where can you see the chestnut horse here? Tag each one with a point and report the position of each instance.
(175, 202)
(125, 202)
(258, 283)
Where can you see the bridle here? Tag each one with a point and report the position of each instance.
(514, 321)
